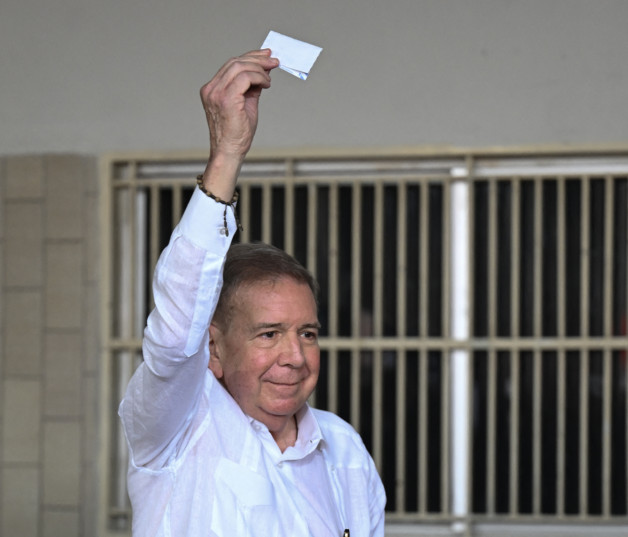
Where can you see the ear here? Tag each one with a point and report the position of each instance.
(215, 364)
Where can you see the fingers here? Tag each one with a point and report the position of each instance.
(254, 65)
(230, 100)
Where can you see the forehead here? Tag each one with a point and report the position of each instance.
(283, 294)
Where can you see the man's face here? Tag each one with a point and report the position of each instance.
(268, 355)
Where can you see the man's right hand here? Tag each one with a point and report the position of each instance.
(230, 100)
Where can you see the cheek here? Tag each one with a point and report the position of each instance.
(314, 364)
(246, 370)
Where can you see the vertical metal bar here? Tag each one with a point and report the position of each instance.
(378, 293)
(378, 422)
(356, 251)
(267, 211)
(400, 494)
(609, 213)
(125, 371)
(584, 257)
(155, 247)
(584, 355)
(312, 227)
(106, 222)
(128, 298)
(515, 268)
(176, 204)
(450, 238)
(378, 261)
(356, 413)
(244, 211)
(139, 299)
(423, 239)
(492, 258)
(332, 380)
(424, 258)
(447, 474)
(561, 431)
(625, 354)
(515, 360)
(561, 264)
(537, 416)
(423, 428)
(607, 433)
(538, 257)
(402, 242)
(584, 432)
(491, 431)
(458, 389)
(607, 392)
(356, 310)
(289, 208)
(561, 395)
(400, 444)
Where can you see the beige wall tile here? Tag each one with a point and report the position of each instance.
(62, 464)
(65, 187)
(23, 326)
(21, 437)
(91, 437)
(64, 285)
(92, 177)
(62, 385)
(20, 502)
(60, 523)
(23, 244)
(3, 184)
(90, 497)
(24, 177)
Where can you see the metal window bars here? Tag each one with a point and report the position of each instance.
(474, 308)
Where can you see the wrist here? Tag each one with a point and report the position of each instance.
(221, 175)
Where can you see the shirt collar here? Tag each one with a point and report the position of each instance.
(309, 435)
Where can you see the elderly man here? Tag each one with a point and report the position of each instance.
(222, 441)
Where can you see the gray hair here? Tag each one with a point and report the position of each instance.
(251, 263)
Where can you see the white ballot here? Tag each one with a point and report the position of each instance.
(295, 57)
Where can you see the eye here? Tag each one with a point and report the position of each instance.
(269, 334)
(310, 334)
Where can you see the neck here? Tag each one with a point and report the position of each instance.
(287, 435)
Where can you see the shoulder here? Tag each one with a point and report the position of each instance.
(333, 423)
(340, 438)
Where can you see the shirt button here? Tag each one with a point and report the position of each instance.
(280, 464)
(223, 231)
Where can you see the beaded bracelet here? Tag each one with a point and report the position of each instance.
(199, 182)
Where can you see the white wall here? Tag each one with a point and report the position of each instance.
(97, 76)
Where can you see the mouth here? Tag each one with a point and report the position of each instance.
(284, 383)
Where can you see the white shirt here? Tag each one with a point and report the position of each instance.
(198, 465)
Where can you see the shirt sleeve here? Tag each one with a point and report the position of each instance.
(164, 392)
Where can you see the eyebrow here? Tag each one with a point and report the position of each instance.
(263, 326)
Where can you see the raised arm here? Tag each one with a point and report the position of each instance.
(166, 389)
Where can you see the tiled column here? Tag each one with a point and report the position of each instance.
(49, 343)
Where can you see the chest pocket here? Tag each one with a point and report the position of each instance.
(244, 502)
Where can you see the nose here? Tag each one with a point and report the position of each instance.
(291, 353)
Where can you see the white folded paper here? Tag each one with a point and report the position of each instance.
(295, 57)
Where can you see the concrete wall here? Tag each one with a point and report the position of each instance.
(92, 77)
(49, 346)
